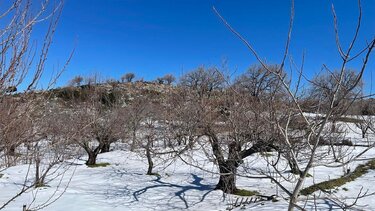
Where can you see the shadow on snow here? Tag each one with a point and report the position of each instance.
(195, 185)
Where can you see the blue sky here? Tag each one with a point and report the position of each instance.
(152, 38)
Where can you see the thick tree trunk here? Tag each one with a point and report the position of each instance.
(11, 150)
(150, 166)
(227, 168)
(105, 148)
(92, 158)
(294, 168)
(227, 180)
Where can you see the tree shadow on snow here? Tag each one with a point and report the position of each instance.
(195, 185)
(324, 204)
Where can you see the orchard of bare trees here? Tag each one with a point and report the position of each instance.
(262, 126)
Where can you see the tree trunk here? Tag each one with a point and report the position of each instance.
(179, 141)
(334, 153)
(333, 127)
(12, 150)
(165, 143)
(227, 180)
(294, 168)
(105, 148)
(39, 182)
(150, 166)
(364, 133)
(92, 158)
(191, 142)
(134, 141)
(149, 158)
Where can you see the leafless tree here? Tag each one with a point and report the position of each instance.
(227, 117)
(14, 130)
(128, 77)
(22, 65)
(136, 113)
(160, 80)
(146, 116)
(76, 81)
(363, 111)
(203, 81)
(340, 90)
(365, 124)
(97, 122)
(322, 87)
(150, 133)
(48, 143)
(169, 79)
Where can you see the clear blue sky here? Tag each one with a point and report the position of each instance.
(153, 38)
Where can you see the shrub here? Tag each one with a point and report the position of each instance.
(243, 192)
(99, 165)
(331, 184)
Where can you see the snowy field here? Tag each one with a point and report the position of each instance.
(123, 185)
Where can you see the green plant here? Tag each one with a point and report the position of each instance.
(155, 174)
(243, 192)
(331, 184)
(265, 154)
(99, 165)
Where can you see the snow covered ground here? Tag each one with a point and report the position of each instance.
(123, 185)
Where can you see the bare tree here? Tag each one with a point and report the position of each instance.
(315, 128)
(322, 88)
(365, 124)
(203, 81)
(225, 117)
(169, 79)
(136, 112)
(145, 125)
(14, 130)
(128, 77)
(76, 81)
(151, 133)
(257, 81)
(97, 122)
(48, 142)
(160, 80)
(19, 62)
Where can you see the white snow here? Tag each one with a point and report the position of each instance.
(123, 185)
